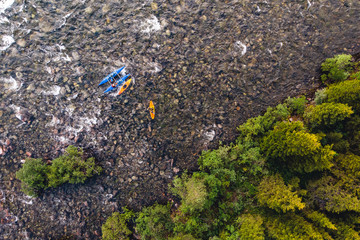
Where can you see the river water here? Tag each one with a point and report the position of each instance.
(206, 65)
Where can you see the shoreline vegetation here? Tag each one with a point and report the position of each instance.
(292, 173)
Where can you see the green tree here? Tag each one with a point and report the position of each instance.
(320, 219)
(328, 194)
(182, 236)
(326, 114)
(296, 105)
(154, 222)
(320, 96)
(251, 227)
(33, 176)
(116, 227)
(72, 167)
(292, 226)
(347, 92)
(273, 193)
(192, 191)
(337, 68)
(346, 231)
(255, 127)
(289, 143)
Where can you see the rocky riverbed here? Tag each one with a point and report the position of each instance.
(206, 65)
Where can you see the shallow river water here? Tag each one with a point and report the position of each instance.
(206, 65)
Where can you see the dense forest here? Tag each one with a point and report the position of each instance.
(292, 173)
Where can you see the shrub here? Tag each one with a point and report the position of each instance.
(336, 68)
(296, 105)
(192, 192)
(255, 127)
(355, 75)
(350, 163)
(33, 176)
(340, 145)
(251, 227)
(289, 143)
(154, 222)
(292, 226)
(320, 96)
(347, 92)
(319, 219)
(273, 193)
(346, 232)
(326, 114)
(116, 227)
(72, 167)
(182, 236)
(197, 192)
(327, 195)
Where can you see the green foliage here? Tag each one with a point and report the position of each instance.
(347, 92)
(320, 219)
(350, 163)
(215, 159)
(326, 114)
(257, 126)
(154, 222)
(290, 144)
(33, 176)
(251, 227)
(182, 236)
(340, 145)
(291, 226)
(347, 232)
(296, 105)
(327, 195)
(72, 167)
(320, 96)
(352, 130)
(337, 68)
(192, 192)
(116, 226)
(197, 224)
(226, 161)
(355, 75)
(273, 193)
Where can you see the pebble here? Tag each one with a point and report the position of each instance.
(21, 42)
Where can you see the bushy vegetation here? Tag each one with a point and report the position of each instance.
(346, 92)
(280, 179)
(337, 68)
(72, 167)
(296, 105)
(326, 114)
(33, 176)
(116, 226)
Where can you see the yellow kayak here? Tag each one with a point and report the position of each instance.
(152, 110)
(125, 86)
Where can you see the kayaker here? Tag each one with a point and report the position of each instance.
(113, 82)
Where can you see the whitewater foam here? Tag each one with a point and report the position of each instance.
(241, 46)
(11, 84)
(150, 25)
(4, 4)
(6, 42)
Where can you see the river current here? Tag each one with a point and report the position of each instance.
(206, 65)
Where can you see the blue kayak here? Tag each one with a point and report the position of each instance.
(111, 75)
(118, 83)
